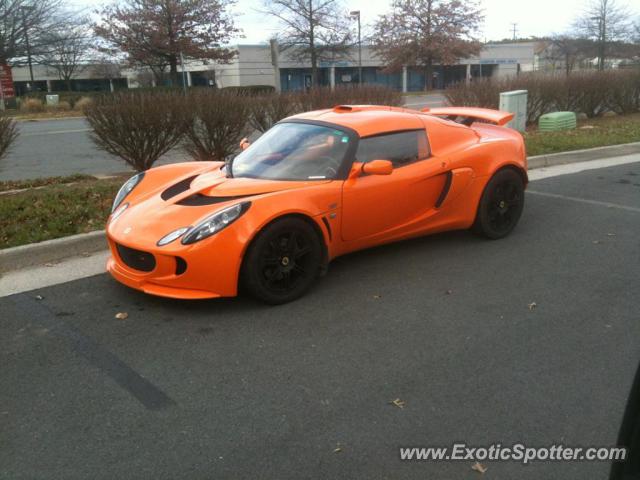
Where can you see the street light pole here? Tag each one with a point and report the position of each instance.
(356, 13)
(26, 38)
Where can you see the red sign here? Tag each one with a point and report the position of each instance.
(6, 82)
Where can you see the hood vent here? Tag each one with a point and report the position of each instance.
(177, 189)
(198, 199)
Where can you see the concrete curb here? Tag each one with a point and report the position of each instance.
(575, 156)
(51, 251)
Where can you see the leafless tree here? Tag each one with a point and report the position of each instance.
(604, 21)
(313, 30)
(425, 32)
(26, 19)
(569, 51)
(67, 50)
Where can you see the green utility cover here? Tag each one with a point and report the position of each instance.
(550, 122)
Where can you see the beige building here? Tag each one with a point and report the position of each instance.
(261, 65)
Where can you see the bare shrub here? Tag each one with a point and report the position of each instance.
(484, 93)
(32, 105)
(624, 96)
(62, 106)
(82, 103)
(267, 110)
(591, 90)
(591, 93)
(8, 134)
(138, 127)
(218, 121)
(324, 97)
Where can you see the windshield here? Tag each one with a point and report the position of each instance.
(294, 151)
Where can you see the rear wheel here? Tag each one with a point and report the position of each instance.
(501, 205)
(282, 261)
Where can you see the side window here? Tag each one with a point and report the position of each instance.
(402, 148)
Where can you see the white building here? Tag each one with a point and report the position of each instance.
(259, 65)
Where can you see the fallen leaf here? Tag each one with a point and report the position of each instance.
(122, 315)
(478, 467)
(532, 305)
(398, 403)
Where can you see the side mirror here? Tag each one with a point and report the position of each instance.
(244, 143)
(378, 167)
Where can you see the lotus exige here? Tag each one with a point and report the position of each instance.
(315, 186)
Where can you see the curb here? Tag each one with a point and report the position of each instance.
(576, 156)
(51, 251)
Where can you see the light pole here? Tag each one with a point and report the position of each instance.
(356, 13)
(24, 9)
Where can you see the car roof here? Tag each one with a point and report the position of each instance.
(368, 120)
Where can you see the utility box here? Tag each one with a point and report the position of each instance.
(515, 102)
(53, 99)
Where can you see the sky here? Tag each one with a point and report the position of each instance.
(533, 17)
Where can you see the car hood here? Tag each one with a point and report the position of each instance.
(187, 200)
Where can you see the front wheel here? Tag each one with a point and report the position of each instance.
(501, 205)
(282, 262)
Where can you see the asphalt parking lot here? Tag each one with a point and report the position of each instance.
(530, 339)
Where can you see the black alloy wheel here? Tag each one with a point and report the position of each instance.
(501, 205)
(283, 261)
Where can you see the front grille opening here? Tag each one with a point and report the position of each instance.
(177, 189)
(136, 259)
(181, 266)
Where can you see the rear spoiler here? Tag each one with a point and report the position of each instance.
(472, 113)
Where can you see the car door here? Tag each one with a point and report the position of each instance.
(374, 204)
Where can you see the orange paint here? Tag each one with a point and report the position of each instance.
(367, 206)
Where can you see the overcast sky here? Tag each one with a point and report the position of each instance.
(533, 17)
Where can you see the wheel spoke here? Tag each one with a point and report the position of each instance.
(292, 243)
(302, 251)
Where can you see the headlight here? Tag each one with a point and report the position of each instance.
(215, 223)
(170, 237)
(118, 212)
(126, 189)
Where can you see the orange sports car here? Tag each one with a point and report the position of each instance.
(315, 186)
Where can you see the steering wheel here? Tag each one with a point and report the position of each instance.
(330, 171)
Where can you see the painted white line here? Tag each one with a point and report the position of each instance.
(42, 276)
(557, 170)
(55, 132)
(585, 200)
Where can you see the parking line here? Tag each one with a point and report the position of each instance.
(144, 391)
(585, 200)
(55, 132)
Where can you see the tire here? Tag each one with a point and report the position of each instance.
(501, 205)
(282, 262)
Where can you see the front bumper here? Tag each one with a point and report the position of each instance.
(203, 270)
